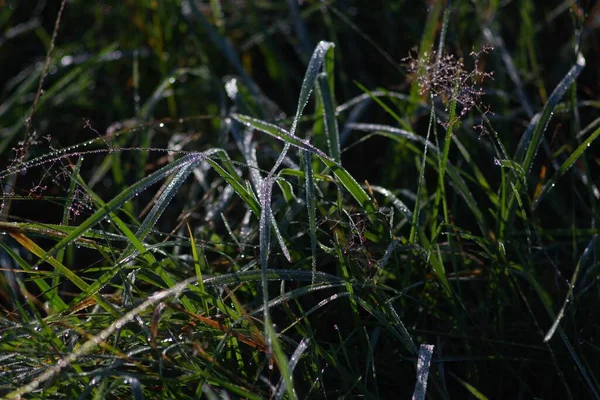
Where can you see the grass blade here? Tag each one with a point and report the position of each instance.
(530, 142)
(569, 162)
(423, 362)
(331, 125)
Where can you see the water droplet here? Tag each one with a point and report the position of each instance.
(66, 60)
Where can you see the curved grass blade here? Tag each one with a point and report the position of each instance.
(453, 172)
(70, 275)
(345, 178)
(396, 202)
(546, 301)
(530, 141)
(57, 303)
(163, 201)
(308, 84)
(586, 253)
(119, 200)
(566, 166)
(245, 192)
(279, 133)
(350, 184)
(239, 188)
(310, 77)
(283, 384)
(384, 106)
(273, 344)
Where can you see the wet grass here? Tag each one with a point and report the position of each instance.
(285, 200)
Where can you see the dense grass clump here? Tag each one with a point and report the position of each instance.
(317, 199)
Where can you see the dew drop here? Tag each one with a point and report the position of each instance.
(66, 60)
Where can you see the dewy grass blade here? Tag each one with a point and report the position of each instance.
(546, 301)
(330, 120)
(396, 202)
(273, 344)
(280, 240)
(57, 304)
(530, 143)
(88, 346)
(279, 133)
(70, 275)
(310, 78)
(586, 253)
(308, 84)
(118, 201)
(566, 166)
(264, 241)
(246, 193)
(423, 363)
(350, 184)
(310, 205)
(239, 188)
(345, 178)
(453, 172)
(163, 201)
(291, 366)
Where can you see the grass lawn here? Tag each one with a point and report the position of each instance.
(299, 199)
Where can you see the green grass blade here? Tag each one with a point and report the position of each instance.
(331, 125)
(119, 200)
(310, 205)
(345, 178)
(310, 78)
(530, 142)
(569, 162)
(56, 303)
(459, 184)
(264, 241)
(279, 133)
